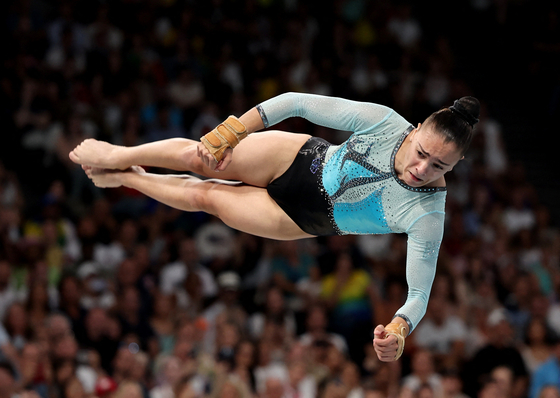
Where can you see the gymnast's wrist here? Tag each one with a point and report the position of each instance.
(402, 320)
(226, 135)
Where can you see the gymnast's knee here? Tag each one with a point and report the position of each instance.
(202, 201)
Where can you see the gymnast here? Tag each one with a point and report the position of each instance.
(388, 177)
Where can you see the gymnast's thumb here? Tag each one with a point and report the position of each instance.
(379, 332)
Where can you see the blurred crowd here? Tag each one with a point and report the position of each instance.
(106, 293)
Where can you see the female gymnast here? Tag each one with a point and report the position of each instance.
(388, 177)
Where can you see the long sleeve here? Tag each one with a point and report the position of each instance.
(336, 113)
(424, 240)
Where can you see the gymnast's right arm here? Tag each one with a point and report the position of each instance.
(332, 112)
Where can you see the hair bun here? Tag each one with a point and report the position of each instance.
(468, 109)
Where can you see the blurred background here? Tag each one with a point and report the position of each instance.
(107, 293)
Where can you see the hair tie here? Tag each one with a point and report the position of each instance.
(460, 111)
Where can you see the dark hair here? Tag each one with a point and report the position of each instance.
(456, 123)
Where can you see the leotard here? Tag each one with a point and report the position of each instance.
(359, 181)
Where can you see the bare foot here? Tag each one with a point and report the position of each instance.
(98, 154)
(109, 178)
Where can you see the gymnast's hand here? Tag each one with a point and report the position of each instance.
(385, 346)
(209, 161)
(109, 178)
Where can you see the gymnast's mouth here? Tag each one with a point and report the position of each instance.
(414, 178)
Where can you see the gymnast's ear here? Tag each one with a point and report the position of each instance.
(414, 131)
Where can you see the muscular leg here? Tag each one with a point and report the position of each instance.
(249, 209)
(244, 207)
(257, 160)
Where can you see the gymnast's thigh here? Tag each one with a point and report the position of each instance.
(250, 209)
(262, 157)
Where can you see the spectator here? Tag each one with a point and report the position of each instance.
(274, 388)
(316, 329)
(244, 362)
(37, 305)
(301, 382)
(267, 366)
(167, 373)
(490, 389)
(503, 376)
(423, 373)
(404, 27)
(128, 277)
(546, 374)
(275, 311)
(129, 389)
(100, 336)
(57, 326)
(174, 274)
(33, 369)
(163, 322)
(226, 307)
(164, 120)
(95, 288)
(550, 392)
(65, 353)
(69, 292)
(73, 388)
(109, 255)
(347, 293)
(17, 326)
(452, 385)
(442, 333)
(518, 215)
(518, 302)
(500, 350)
(133, 323)
(187, 92)
(7, 379)
(350, 378)
(291, 264)
(536, 348)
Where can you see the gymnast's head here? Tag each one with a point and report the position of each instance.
(456, 123)
(438, 144)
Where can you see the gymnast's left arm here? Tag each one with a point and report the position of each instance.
(424, 241)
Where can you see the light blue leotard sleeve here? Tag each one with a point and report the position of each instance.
(383, 205)
(335, 113)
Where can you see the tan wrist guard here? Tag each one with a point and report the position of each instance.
(227, 135)
(399, 331)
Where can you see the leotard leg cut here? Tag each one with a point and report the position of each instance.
(300, 193)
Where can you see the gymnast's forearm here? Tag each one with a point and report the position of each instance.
(252, 120)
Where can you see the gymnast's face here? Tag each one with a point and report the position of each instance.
(425, 157)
